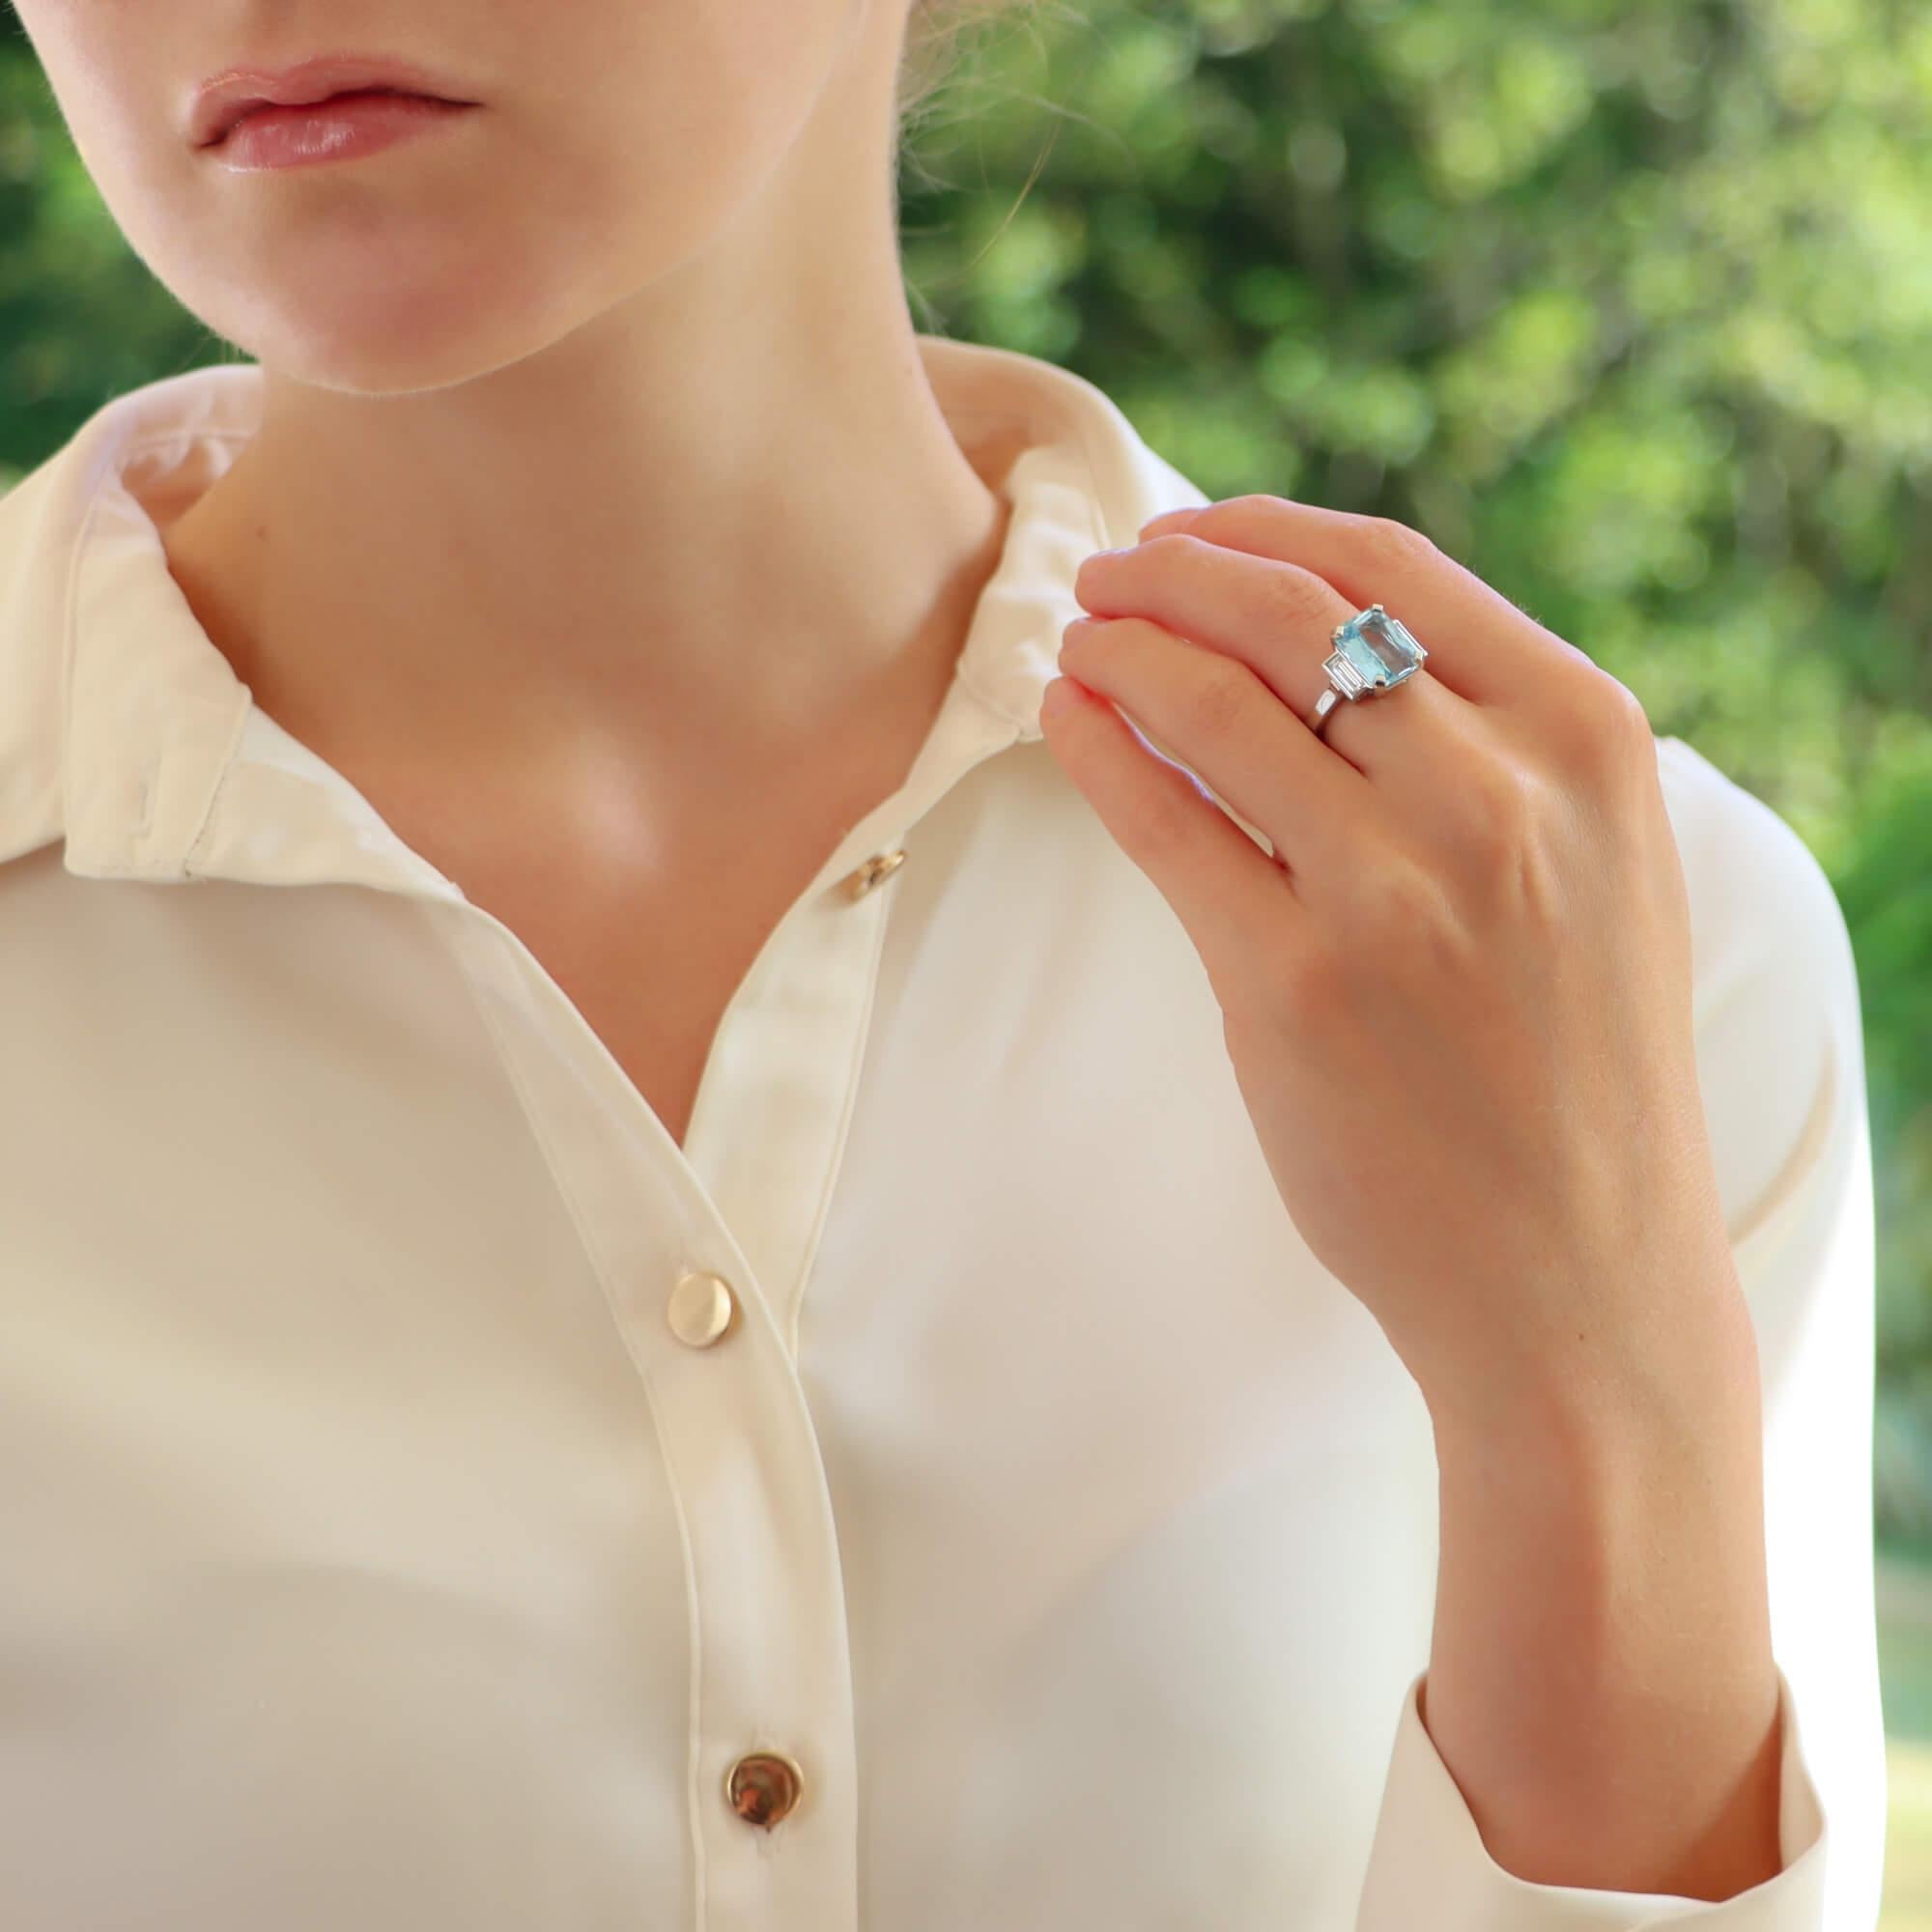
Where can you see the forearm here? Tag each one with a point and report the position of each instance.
(1601, 1682)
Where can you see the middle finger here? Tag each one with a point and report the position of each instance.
(1278, 619)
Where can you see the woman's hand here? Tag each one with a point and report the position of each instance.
(1457, 999)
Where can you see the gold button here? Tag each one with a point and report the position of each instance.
(700, 1309)
(880, 865)
(763, 1787)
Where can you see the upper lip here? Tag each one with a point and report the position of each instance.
(222, 99)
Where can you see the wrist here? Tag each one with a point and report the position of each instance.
(1569, 1404)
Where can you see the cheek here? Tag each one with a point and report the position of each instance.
(701, 108)
(694, 111)
(119, 93)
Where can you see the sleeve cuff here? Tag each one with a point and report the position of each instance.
(1428, 1864)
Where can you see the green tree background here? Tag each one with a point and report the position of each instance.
(1627, 303)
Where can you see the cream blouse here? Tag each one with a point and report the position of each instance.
(944, 1497)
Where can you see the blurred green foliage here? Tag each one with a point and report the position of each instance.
(1628, 303)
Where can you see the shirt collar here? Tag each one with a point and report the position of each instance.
(128, 736)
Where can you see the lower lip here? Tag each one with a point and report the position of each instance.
(338, 129)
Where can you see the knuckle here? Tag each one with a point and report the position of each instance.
(1386, 545)
(1219, 692)
(1292, 598)
(1606, 729)
(1625, 715)
(1164, 830)
(1157, 824)
(1174, 544)
(1172, 558)
(1235, 511)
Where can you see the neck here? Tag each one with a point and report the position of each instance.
(641, 545)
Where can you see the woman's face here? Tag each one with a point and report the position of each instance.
(617, 143)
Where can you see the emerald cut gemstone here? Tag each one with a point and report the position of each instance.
(1373, 651)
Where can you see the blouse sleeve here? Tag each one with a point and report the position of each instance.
(1781, 1067)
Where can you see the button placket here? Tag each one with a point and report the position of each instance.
(769, 1641)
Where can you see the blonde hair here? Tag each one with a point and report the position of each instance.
(937, 34)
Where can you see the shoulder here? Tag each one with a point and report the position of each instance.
(42, 514)
(1758, 892)
(1777, 1021)
(77, 540)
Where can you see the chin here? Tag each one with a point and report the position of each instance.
(388, 341)
(374, 303)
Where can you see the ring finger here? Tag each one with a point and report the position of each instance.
(1279, 620)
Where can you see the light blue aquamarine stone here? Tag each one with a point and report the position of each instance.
(1374, 650)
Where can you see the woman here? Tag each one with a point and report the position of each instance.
(816, 1284)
